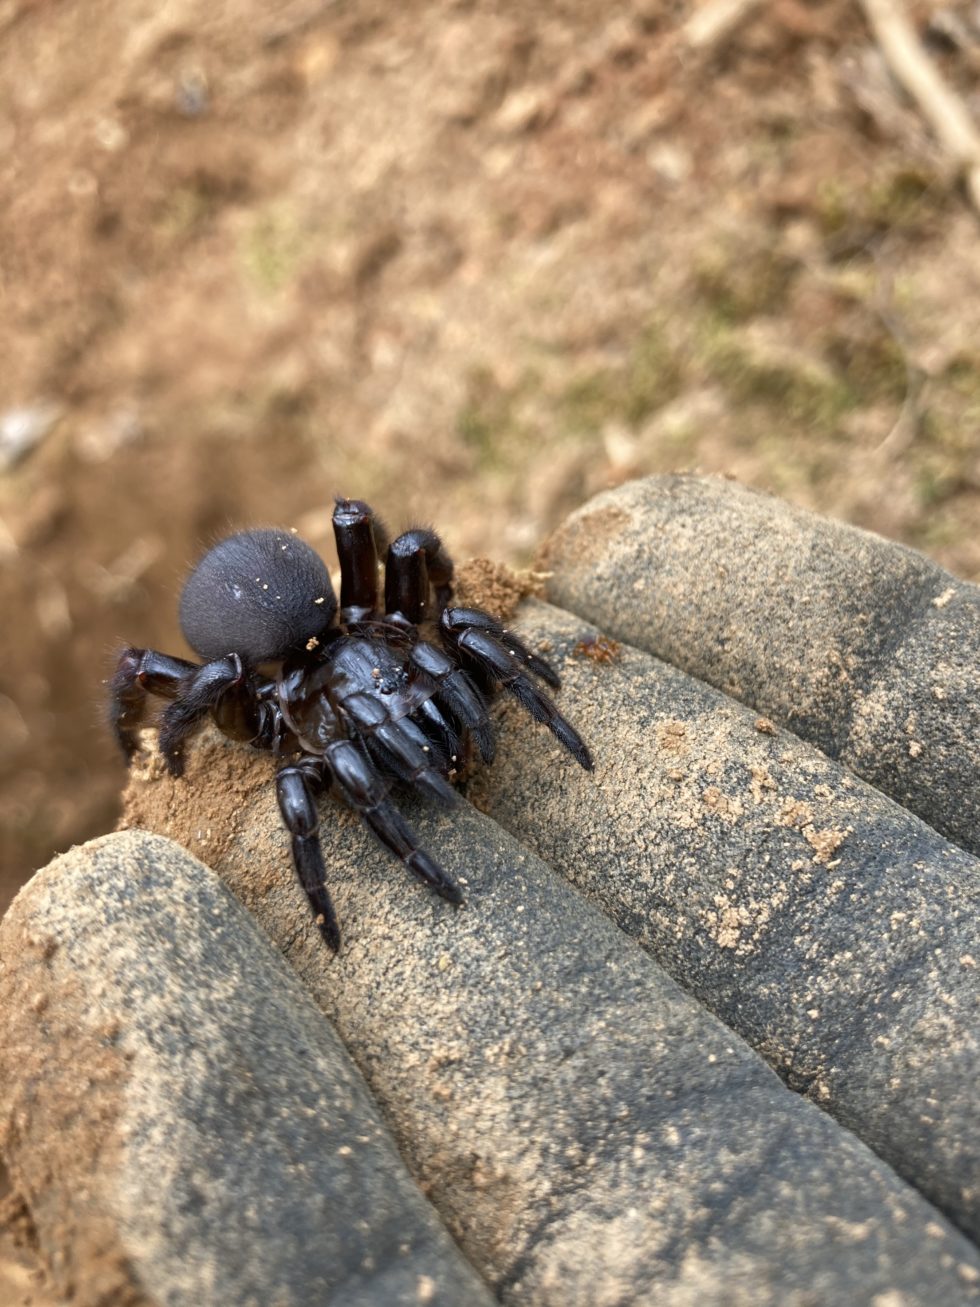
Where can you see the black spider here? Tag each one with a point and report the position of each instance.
(349, 699)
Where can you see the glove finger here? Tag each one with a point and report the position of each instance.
(861, 646)
(830, 928)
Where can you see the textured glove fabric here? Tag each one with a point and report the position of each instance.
(861, 646)
(704, 1029)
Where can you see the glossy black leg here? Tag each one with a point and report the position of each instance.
(417, 561)
(456, 693)
(398, 745)
(356, 532)
(295, 789)
(140, 673)
(200, 692)
(271, 733)
(457, 620)
(444, 739)
(476, 642)
(364, 790)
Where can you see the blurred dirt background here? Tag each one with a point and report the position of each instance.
(469, 261)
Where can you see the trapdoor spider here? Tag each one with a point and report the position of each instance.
(353, 699)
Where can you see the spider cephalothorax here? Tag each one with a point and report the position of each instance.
(356, 698)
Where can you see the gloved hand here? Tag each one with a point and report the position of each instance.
(589, 1129)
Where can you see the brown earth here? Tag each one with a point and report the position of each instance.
(469, 263)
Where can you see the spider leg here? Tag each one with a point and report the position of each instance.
(140, 673)
(200, 691)
(416, 560)
(295, 790)
(440, 731)
(271, 731)
(488, 650)
(398, 745)
(364, 790)
(455, 691)
(357, 533)
(475, 619)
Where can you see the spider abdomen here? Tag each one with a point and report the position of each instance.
(258, 594)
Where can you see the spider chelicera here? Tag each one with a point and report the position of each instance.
(355, 699)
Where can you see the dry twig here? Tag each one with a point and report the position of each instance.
(942, 107)
(712, 22)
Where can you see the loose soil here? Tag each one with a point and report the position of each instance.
(466, 261)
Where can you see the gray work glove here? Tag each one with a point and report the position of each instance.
(573, 1065)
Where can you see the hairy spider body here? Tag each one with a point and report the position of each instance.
(259, 593)
(353, 698)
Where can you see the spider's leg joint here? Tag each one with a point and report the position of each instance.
(487, 651)
(294, 791)
(366, 793)
(201, 691)
(139, 673)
